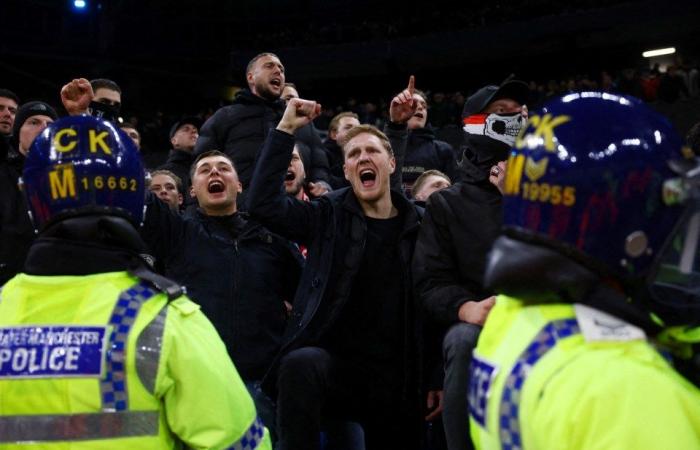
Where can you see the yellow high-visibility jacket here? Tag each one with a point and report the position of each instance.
(560, 376)
(104, 361)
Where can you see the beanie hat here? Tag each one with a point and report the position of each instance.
(29, 109)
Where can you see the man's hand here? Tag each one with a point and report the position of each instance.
(403, 107)
(476, 312)
(434, 405)
(76, 96)
(497, 175)
(299, 113)
(317, 189)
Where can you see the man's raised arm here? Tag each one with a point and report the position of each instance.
(267, 200)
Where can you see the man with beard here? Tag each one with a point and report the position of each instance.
(239, 130)
(360, 242)
(9, 103)
(423, 151)
(460, 225)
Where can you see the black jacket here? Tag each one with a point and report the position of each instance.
(239, 130)
(459, 227)
(424, 152)
(334, 154)
(333, 228)
(16, 230)
(179, 163)
(239, 273)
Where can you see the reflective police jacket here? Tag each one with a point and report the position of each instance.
(570, 376)
(104, 361)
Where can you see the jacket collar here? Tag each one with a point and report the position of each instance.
(180, 156)
(407, 210)
(246, 97)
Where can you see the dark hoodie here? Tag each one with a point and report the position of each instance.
(459, 227)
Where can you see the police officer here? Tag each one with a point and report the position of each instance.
(598, 210)
(96, 351)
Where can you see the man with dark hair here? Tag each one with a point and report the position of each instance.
(239, 130)
(31, 119)
(105, 353)
(8, 108)
(183, 137)
(132, 132)
(102, 98)
(460, 224)
(239, 272)
(360, 241)
(338, 128)
(423, 151)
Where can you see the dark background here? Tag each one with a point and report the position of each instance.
(173, 57)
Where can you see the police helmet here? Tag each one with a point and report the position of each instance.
(82, 165)
(599, 177)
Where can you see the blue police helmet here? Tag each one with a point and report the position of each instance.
(82, 165)
(591, 176)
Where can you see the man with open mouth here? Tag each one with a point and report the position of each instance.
(240, 273)
(360, 242)
(423, 151)
(239, 129)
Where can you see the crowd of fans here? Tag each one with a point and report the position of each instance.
(288, 273)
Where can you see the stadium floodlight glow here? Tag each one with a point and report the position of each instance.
(659, 52)
(79, 4)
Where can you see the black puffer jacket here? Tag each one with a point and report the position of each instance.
(239, 273)
(424, 152)
(179, 163)
(459, 227)
(334, 153)
(239, 130)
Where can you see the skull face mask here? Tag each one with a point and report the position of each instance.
(501, 127)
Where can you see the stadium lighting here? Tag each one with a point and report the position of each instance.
(79, 4)
(659, 52)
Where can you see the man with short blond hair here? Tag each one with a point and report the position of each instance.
(338, 128)
(428, 182)
(360, 241)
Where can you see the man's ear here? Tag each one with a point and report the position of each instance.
(239, 187)
(192, 195)
(180, 199)
(333, 134)
(172, 141)
(392, 163)
(249, 78)
(345, 172)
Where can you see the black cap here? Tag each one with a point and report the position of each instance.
(192, 120)
(29, 109)
(513, 89)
